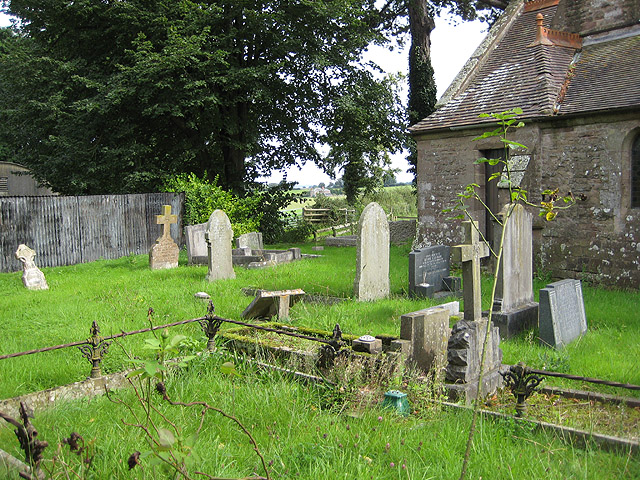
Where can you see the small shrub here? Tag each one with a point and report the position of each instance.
(202, 197)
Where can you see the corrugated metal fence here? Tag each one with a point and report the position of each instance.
(70, 230)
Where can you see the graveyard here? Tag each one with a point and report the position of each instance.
(311, 424)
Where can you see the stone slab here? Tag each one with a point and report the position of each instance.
(562, 317)
(275, 303)
(345, 241)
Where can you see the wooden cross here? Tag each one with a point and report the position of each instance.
(470, 254)
(166, 219)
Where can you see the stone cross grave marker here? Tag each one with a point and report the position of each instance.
(32, 276)
(562, 316)
(218, 236)
(513, 308)
(165, 252)
(372, 254)
(166, 219)
(470, 254)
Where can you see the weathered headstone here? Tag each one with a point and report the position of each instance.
(372, 254)
(514, 309)
(429, 271)
(464, 355)
(218, 237)
(470, 254)
(267, 304)
(196, 244)
(562, 317)
(428, 332)
(32, 276)
(252, 240)
(165, 252)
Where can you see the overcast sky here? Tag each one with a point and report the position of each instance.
(451, 46)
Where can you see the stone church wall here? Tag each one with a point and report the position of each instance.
(597, 240)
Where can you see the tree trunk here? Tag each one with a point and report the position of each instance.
(234, 150)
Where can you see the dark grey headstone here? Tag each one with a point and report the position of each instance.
(562, 317)
(427, 269)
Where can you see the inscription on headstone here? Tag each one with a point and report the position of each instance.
(428, 267)
(562, 316)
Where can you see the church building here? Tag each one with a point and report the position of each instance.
(573, 67)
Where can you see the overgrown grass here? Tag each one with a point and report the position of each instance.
(118, 293)
(290, 421)
(301, 435)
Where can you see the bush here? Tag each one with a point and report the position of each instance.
(298, 231)
(202, 197)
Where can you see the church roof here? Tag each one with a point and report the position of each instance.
(545, 72)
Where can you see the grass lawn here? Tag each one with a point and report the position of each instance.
(306, 431)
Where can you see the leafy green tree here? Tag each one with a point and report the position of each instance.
(116, 96)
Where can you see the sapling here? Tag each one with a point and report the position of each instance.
(548, 207)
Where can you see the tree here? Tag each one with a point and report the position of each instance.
(115, 96)
(420, 15)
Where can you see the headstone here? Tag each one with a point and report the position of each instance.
(165, 252)
(218, 237)
(514, 309)
(428, 331)
(562, 316)
(372, 254)
(196, 244)
(464, 355)
(429, 272)
(470, 254)
(32, 276)
(252, 240)
(267, 304)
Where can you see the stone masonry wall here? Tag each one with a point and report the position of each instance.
(593, 16)
(599, 238)
(596, 240)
